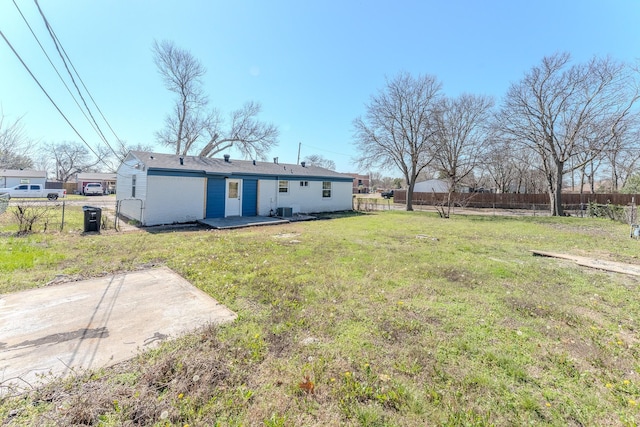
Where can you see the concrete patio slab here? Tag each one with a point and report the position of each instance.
(241, 221)
(96, 323)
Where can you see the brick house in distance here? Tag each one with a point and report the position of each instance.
(361, 183)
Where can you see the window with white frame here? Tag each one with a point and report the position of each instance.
(133, 186)
(283, 186)
(326, 189)
(304, 184)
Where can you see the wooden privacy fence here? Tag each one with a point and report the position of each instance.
(516, 201)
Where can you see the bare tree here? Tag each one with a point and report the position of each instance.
(15, 146)
(623, 155)
(398, 129)
(181, 73)
(501, 167)
(190, 126)
(378, 181)
(561, 111)
(318, 160)
(112, 161)
(462, 131)
(72, 157)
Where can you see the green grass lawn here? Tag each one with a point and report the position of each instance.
(385, 319)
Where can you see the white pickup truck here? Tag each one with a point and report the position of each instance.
(33, 190)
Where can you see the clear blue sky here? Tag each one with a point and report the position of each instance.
(311, 64)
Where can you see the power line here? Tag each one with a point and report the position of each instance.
(53, 66)
(47, 94)
(59, 47)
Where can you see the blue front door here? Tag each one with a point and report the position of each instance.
(215, 197)
(249, 197)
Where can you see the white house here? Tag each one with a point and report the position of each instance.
(155, 188)
(13, 177)
(431, 186)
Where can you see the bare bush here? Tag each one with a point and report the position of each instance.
(28, 213)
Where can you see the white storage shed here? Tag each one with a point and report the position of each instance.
(13, 177)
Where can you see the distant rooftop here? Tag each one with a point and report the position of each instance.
(23, 173)
(96, 176)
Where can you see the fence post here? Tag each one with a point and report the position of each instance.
(62, 223)
(115, 220)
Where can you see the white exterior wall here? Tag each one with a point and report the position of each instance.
(131, 207)
(309, 199)
(12, 181)
(174, 199)
(267, 191)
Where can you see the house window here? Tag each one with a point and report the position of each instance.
(304, 183)
(24, 180)
(234, 189)
(283, 186)
(326, 188)
(133, 186)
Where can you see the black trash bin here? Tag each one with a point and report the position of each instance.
(92, 218)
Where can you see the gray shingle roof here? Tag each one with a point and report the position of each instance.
(26, 173)
(158, 161)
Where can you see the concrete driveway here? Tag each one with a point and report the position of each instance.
(95, 323)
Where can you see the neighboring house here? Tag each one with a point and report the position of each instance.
(155, 188)
(108, 181)
(361, 183)
(13, 177)
(431, 186)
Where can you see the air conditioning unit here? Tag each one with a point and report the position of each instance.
(284, 212)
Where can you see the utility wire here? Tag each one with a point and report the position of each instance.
(89, 93)
(59, 47)
(54, 67)
(45, 92)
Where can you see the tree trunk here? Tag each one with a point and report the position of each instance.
(448, 214)
(410, 195)
(556, 202)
